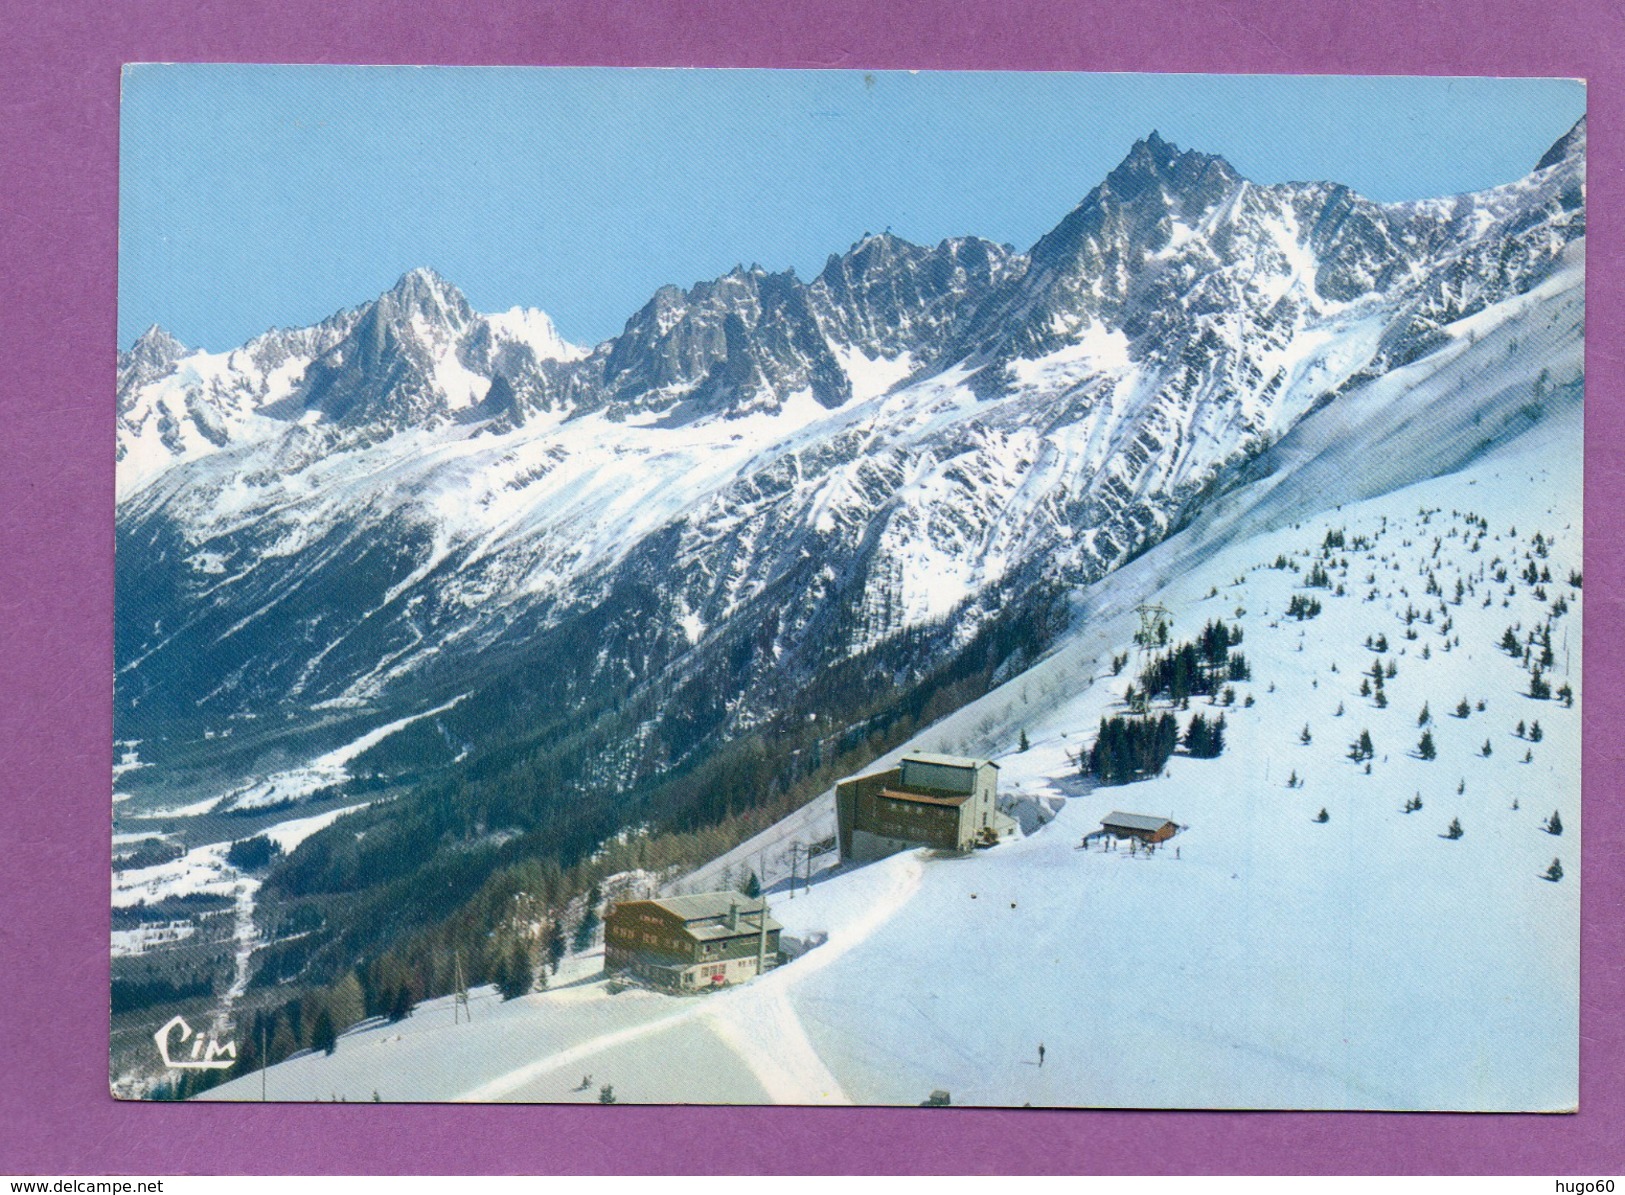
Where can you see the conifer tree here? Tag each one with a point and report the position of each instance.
(1535, 732)
(1554, 824)
(1323, 816)
(345, 1002)
(1424, 717)
(515, 975)
(587, 930)
(1023, 744)
(1463, 709)
(1304, 736)
(1555, 871)
(1485, 749)
(1425, 747)
(322, 1035)
(555, 947)
(1455, 830)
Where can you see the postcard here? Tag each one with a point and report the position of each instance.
(826, 587)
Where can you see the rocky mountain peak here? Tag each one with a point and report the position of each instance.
(1571, 146)
(385, 370)
(153, 355)
(424, 293)
(157, 344)
(1153, 165)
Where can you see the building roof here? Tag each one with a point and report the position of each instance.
(946, 761)
(1136, 821)
(924, 798)
(708, 931)
(713, 907)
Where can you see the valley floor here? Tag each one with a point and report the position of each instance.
(1260, 959)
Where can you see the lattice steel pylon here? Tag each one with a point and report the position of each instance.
(1156, 620)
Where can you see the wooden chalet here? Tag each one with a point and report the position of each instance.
(691, 943)
(1138, 825)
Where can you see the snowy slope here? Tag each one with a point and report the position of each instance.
(1276, 961)
(1261, 959)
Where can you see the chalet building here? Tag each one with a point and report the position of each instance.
(691, 943)
(942, 801)
(1138, 825)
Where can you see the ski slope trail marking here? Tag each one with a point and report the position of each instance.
(244, 940)
(905, 883)
(759, 1022)
(505, 1085)
(767, 1036)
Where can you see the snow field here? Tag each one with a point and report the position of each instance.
(1277, 962)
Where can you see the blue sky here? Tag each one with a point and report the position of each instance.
(253, 196)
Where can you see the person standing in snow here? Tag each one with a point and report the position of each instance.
(1040, 1053)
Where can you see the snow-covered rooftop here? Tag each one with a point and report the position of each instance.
(1135, 821)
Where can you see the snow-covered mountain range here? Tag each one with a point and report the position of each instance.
(338, 527)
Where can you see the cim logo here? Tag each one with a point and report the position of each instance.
(208, 1054)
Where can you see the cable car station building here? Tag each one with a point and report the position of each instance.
(943, 801)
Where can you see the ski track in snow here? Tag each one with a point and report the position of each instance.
(244, 941)
(768, 1036)
(506, 1085)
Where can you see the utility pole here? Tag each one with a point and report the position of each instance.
(459, 999)
(265, 1059)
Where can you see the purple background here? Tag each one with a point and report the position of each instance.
(58, 163)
